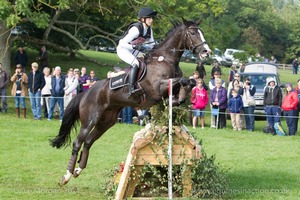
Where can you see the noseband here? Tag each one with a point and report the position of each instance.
(193, 46)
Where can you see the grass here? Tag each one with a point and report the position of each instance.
(259, 166)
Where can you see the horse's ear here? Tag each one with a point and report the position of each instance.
(184, 21)
(198, 22)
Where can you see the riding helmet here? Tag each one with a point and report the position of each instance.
(146, 12)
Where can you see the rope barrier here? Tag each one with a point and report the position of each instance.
(190, 110)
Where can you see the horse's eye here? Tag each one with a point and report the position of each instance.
(193, 33)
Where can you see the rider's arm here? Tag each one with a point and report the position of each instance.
(151, 41)
(132, 34)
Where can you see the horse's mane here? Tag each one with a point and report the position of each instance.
(176, 24)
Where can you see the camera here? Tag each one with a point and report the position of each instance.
(248, 83)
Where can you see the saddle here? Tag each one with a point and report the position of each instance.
(120, 79)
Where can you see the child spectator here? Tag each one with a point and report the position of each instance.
(194, 79)
(235, 106)
(290, 110)
(199, 99)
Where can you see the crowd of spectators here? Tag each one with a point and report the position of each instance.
(237, 99)
(49, 90)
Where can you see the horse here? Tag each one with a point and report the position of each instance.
(97, 108)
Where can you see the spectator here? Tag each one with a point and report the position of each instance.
(36, 82)
(43, 58)
(212, 84)
(215, 68)
(46, 91)
(272, 103)
(77, 75)
(290, 109)
(231, 84)
(248, 92)
(127, 115)
(297, 90)
(92, 78)
(235, 86)
(21, 58)
(273, 60)
(201, 70)
(57, 93)
(70, 88)
(3, 82)
(218, 99)
(295, 66)
(199, 99)
(195, 77)
(235, 105)
(84, 79)
(232, 73)
(242, 68)
(19, 88)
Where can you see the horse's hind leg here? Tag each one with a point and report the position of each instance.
(72, 162)
(101, 127)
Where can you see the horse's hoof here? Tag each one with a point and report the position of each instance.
(63, 181)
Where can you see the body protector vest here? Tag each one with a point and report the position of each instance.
(141, 38)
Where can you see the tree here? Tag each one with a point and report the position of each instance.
(80, 24)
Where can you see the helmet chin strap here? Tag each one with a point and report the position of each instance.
(144, 21)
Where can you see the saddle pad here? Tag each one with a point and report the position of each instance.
(118, 81)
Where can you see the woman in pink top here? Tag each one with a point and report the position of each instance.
(199, 99)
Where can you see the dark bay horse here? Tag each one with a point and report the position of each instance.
(98, 108)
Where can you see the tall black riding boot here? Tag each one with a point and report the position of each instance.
(132, 78)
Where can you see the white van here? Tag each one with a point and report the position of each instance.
(229, 56)
(258, 73)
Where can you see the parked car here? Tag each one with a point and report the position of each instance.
(228, 54)
(18, 30)
(258, 73)
(187, 56)
(220, 58)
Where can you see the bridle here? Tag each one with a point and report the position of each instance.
(193, 46)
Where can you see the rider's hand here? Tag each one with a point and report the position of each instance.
(136, 47)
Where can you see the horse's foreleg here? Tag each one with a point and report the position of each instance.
(179, 90)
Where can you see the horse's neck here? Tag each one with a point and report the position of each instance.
(173, 46)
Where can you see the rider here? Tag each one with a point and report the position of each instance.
(136, 34)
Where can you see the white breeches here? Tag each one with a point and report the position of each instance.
(128, 56)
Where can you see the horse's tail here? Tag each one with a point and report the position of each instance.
(71, 116)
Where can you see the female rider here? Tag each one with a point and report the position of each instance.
(136, 34)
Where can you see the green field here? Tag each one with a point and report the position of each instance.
(259, 166)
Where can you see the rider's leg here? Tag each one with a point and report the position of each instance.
(132, 78)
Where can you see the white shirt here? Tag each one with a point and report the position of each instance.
(46, 88)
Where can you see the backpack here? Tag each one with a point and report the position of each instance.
(279, 130)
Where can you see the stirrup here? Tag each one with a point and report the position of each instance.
(135, 92)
